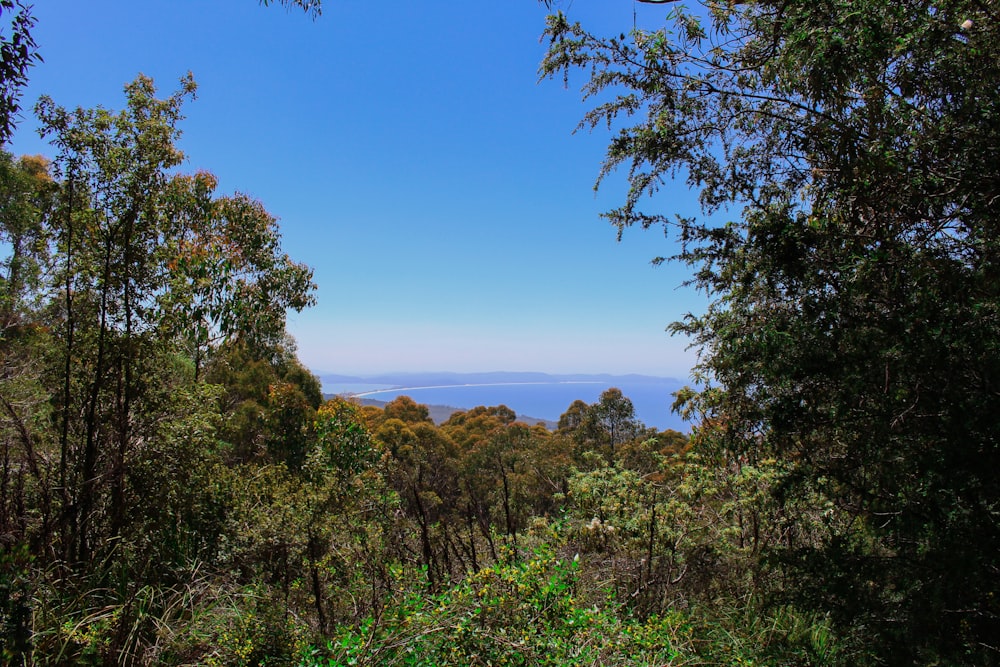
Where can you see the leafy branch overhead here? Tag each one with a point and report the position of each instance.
(18, 52)
(312, 7)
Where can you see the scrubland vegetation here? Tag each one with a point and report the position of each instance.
(175, 490)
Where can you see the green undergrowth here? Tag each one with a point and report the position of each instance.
(535, 612)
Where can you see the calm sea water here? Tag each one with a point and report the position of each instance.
(652, 401)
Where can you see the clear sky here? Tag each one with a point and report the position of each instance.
(414, 161)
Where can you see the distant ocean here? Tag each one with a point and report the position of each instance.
(546, 400)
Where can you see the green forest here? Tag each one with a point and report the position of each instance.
(176, 490)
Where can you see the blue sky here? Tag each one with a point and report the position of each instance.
(414, 161)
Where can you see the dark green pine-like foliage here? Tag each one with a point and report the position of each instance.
(846, 154)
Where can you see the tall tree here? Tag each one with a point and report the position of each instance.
(853, 330)
(109, 251)
(148, 266)
(613, 417)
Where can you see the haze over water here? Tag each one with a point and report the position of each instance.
(651, 397)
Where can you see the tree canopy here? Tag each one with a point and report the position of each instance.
(175, 490)
(845, 156)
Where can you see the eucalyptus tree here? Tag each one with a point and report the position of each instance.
(26, 199)
(845, 157)
(150, 270)
(227, 276)
(613, 417)
(109, 228)
(603, 426)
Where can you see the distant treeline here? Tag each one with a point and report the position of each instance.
(441, 413)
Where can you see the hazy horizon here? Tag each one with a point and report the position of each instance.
(650, 396)
(439, 372)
